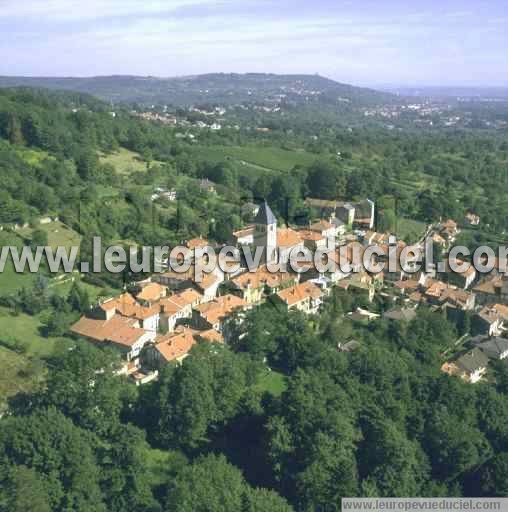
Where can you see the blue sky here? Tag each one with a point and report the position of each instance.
(363, 42)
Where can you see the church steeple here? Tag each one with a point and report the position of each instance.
(265, 215)
(265, 232)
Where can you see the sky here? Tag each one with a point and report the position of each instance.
(362, 42)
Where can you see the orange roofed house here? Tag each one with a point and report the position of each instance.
(175, 346)
(121, 321)
(151, 293)
(305, 297)
(123, 333)
(212, 315)
(126, 305)
(178, 306)
(171, 347)
(253, 286)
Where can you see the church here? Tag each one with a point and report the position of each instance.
(277, 243)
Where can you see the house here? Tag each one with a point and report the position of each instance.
(463, 278)
(472, 365)
(161, 193)
(329, 230)
(178, 307)
(494, 348)
(209, 285)
(449, 230)
(349, 346)
(440, 293)
(400, 314)
(126, 305)
(364, 216)
(330, 272)
(362, 316)
(151, 293)
(210, 335)
(351, 256)
(206, 283)
(196, 243)
(493, 289)
(244, 236)
(490, 320)
(471, 219)
(360, 213)
(171, 347)
(254, 286)
(305, 297)
(212, 315)
(288, 240)
(459, 299)
(346, 213)
(439, 240)
(124, 334)
(407, 286)
(359, 283)
(208, 186)
(313, 240)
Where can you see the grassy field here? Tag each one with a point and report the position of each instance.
(125, 162)
(19, 374)
(272, 382)
(409, 229)
(59, 235)
(23, 331)
(263, 158)
(10, 280)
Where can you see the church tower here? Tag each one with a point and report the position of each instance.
(265, 233)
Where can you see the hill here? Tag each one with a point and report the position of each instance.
(223, 88)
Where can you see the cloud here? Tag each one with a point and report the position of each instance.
(79, 10)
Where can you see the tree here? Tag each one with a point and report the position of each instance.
(387, 221)
(57, 323)
(60, 454)
(82, 385)
(211, 484)
(87, 164)
(454, 446)
(24, 491)
(492, 476)
(78, 298)
(39, 239)
(262, 500)
(200, 395)
(322, 180)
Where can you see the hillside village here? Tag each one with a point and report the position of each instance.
(161, 318)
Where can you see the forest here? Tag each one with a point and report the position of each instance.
(212, 435)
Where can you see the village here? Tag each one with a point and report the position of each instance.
(158, 320)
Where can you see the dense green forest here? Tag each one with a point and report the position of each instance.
(280, 419)
(211, 435)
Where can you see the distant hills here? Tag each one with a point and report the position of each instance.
(217, 88)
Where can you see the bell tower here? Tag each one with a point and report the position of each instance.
(265, 233)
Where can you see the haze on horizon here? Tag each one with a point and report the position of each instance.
(364, 42)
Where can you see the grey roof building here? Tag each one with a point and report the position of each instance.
(265, 215)
(495, 348)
